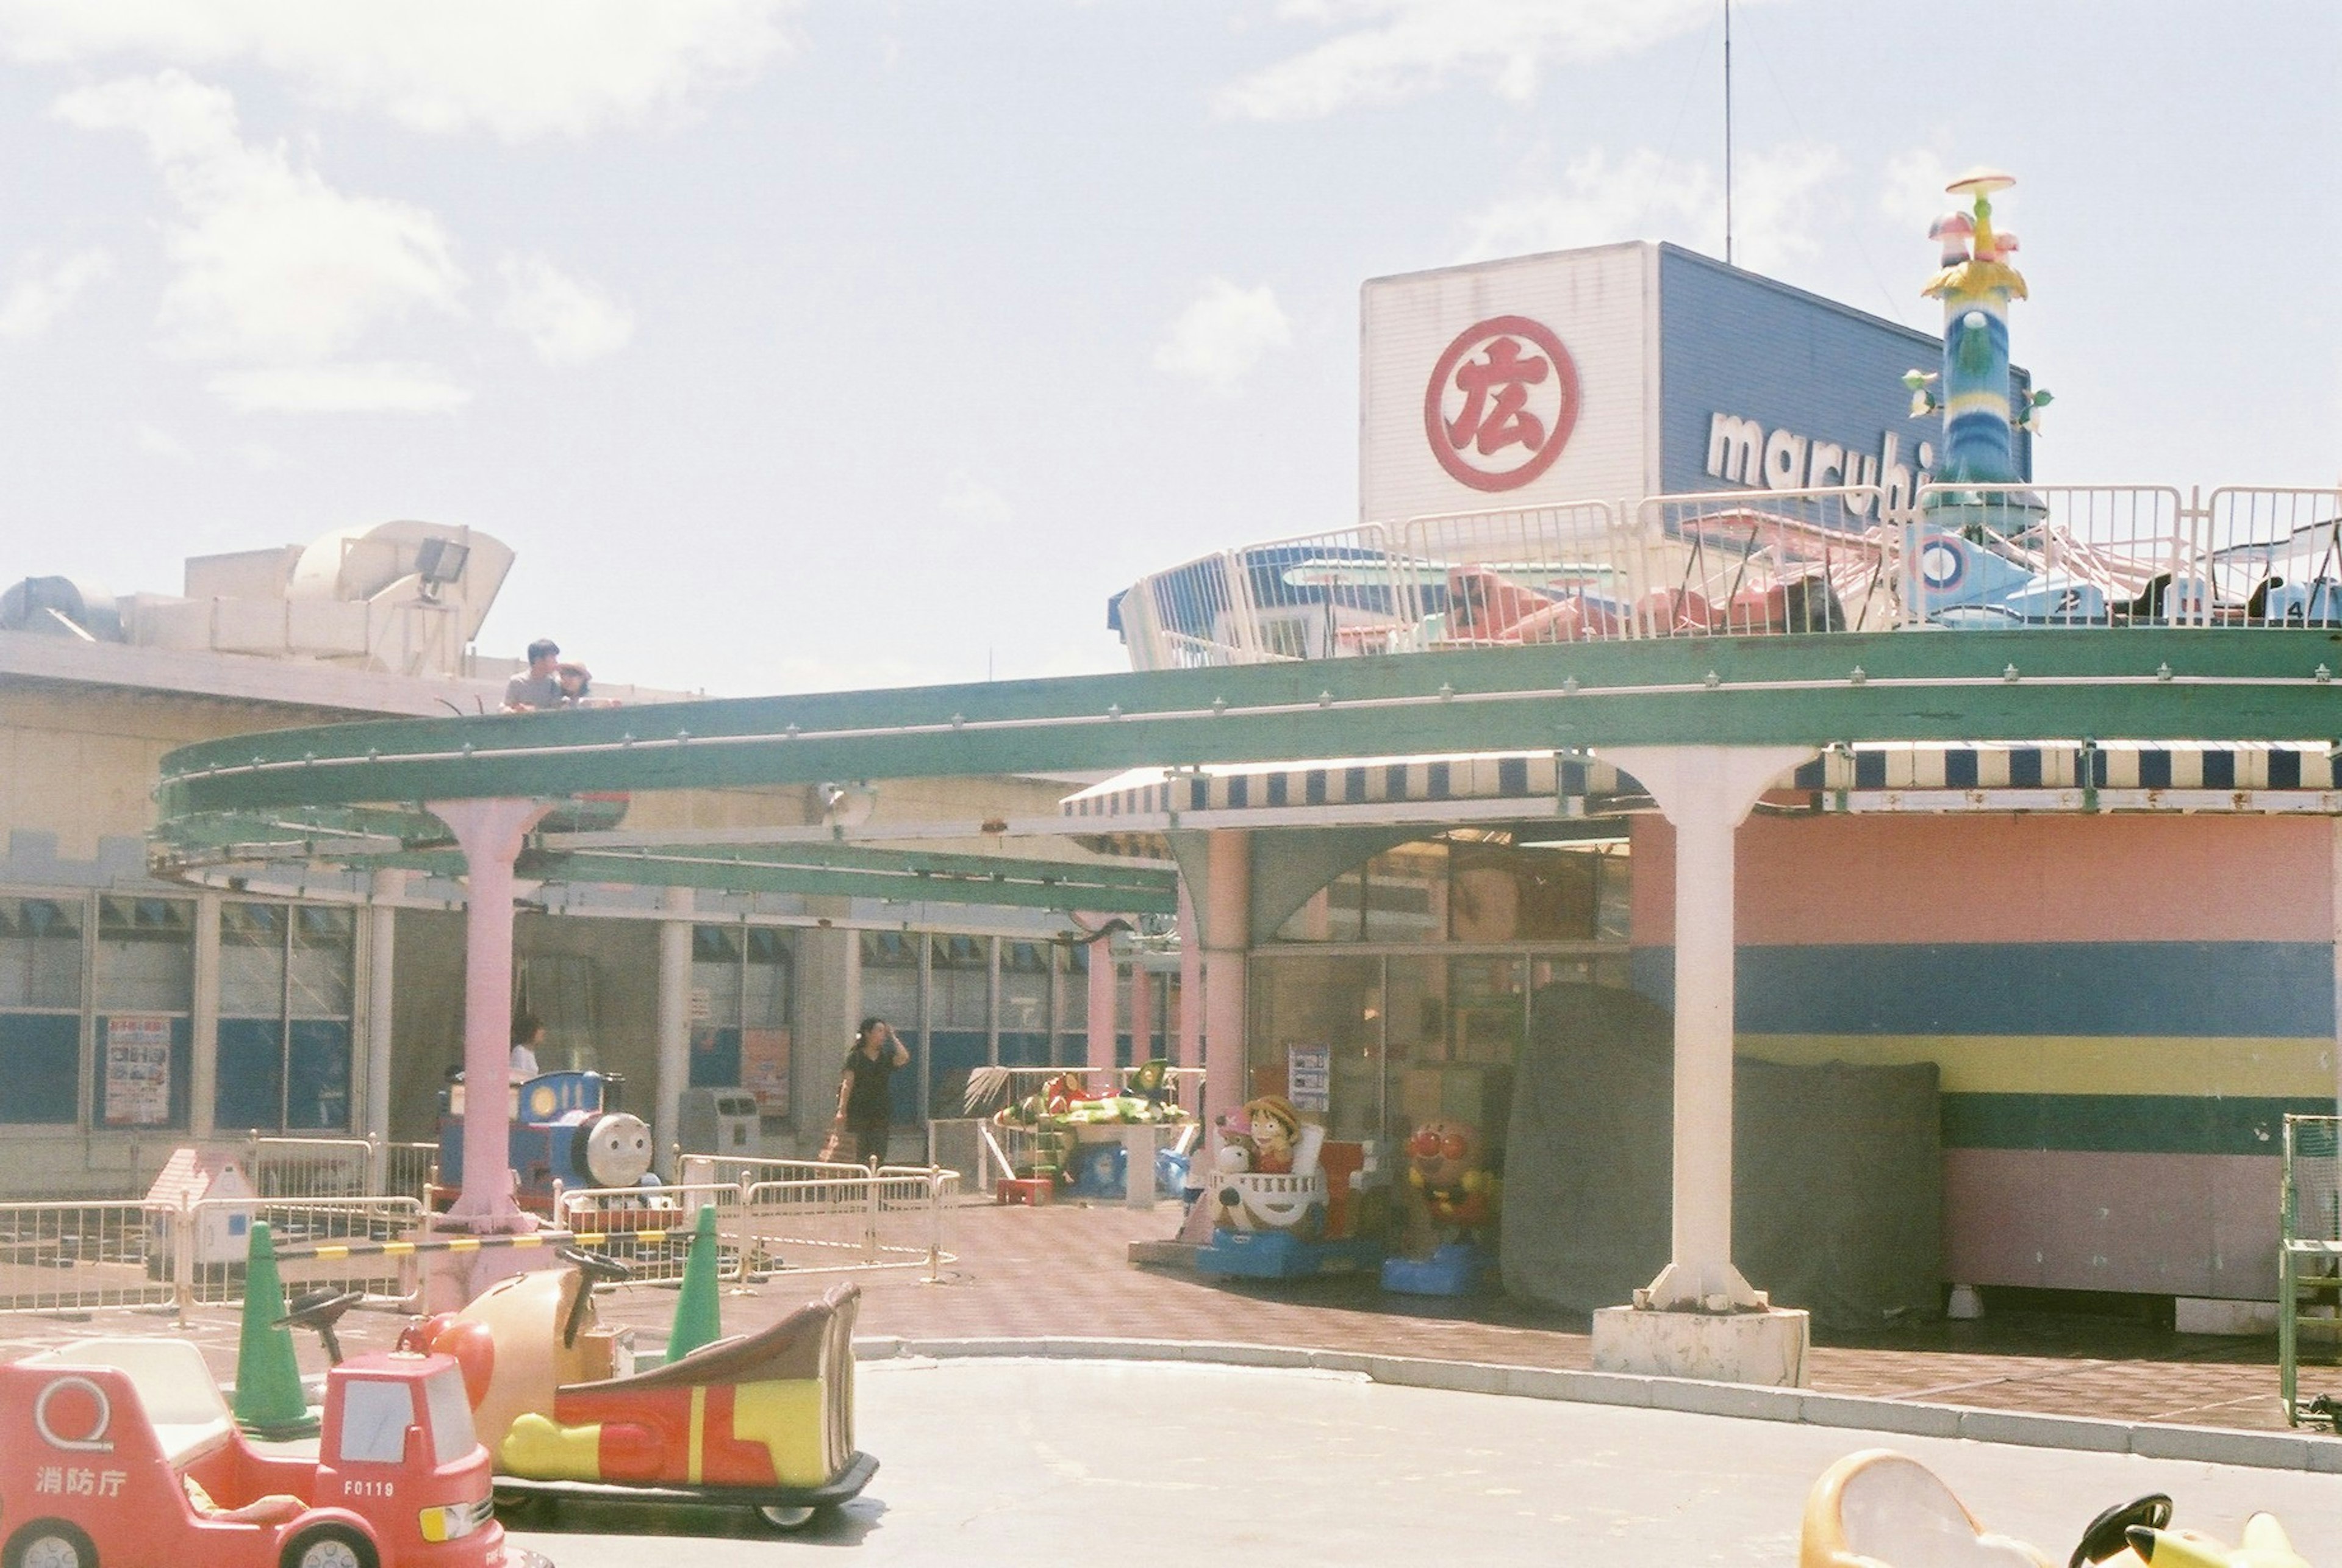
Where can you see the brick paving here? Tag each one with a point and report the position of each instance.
(1063, 1272)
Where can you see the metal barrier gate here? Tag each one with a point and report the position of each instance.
(2309, 1261)
(773, 1216)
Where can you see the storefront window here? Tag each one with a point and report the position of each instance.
(959, 1032)
(1430, 1022)
(1317, 1038)
(40, 1008)
(285, 976)
(144, 1059)
(743, 997)
(1074, 1004)
(1025, 1003)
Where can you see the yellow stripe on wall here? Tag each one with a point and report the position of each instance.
(2082, 1064)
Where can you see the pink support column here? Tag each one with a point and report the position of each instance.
(1190, 1053)
(491, 833)
(1101, 1000)
(1227, 894)
(1141, 1010)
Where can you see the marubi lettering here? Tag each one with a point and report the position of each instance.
(1742, 452)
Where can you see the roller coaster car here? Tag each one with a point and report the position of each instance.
(764, 1421)
(1881, 1509)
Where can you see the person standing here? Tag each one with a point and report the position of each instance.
(527, 1036)
(866, 1103)
(539, 686)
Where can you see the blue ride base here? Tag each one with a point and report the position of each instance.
(1457, 1269)
(1283, 1255)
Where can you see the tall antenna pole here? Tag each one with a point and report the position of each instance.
(1728, 133)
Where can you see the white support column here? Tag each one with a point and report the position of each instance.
(1190, 1053)
(381, 952)
(673, 1022)
(1705, 793)
(490, 833)
(1101, 998)
(203, 1087)
(1228, 913)
(1699, 1318)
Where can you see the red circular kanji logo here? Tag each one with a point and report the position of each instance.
(1501, 403)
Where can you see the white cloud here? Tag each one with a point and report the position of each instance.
(271, 266)
(972, 501)
(1385, 51)
(387, 387)
(1647, 196)
(517, 68)
(1911, 189)
(1226, 333)
(42, 290)
(156, 442)
(566, 320)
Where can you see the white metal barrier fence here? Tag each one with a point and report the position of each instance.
(73, 1257)
(1755, 563)
(337, 1167)
(773, 1216)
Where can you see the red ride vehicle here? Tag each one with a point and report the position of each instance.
(121, 1451)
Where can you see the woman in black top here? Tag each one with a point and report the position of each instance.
(866, 1105)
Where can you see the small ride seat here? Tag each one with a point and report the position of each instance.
(273, 1508)
(1879, 1506)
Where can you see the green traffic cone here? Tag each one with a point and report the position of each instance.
(269, 1403)
(697, 1318)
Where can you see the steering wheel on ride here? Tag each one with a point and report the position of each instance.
(2109, 1533)
(598, 1270)
(321, 1310)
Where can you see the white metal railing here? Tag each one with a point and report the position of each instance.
(1755, 563)
(773, 1216)
(337, 1167)
(81, 1257)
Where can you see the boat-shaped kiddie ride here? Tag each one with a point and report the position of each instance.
(764, 1420)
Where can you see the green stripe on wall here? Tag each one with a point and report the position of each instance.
(2123, 1124)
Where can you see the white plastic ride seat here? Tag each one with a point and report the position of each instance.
(1881, 1509)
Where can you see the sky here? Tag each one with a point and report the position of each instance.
(810, 345)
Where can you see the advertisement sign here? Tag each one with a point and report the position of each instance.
(765, 1069)
(137, 1069)
(1309, 1077)
(1507, 384)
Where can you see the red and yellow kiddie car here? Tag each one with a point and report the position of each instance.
(764, 1421)
(121, 1451)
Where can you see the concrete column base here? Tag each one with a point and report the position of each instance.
(1766, 1348)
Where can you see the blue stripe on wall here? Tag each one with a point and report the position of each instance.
(2213, 990)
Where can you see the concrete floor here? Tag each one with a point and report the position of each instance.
(1044, 1462)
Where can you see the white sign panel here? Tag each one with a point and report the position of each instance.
(1309, 1077)
(1509, 384)
(137, 1069)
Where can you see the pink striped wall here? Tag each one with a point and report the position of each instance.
(1814, 880)
(2164, 1224)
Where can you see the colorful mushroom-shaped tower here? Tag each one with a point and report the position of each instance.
(1976, 283)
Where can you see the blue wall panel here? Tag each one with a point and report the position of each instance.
(2214, 990)
(1733, 343)
(40, 1057)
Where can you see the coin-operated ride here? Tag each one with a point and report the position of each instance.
(566, 1130)
(1881, 1509)
(763, 1421)
(1447, 1212)
(1280, 1197)
(122, 1452)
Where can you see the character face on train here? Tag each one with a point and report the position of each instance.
(617, 1150)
